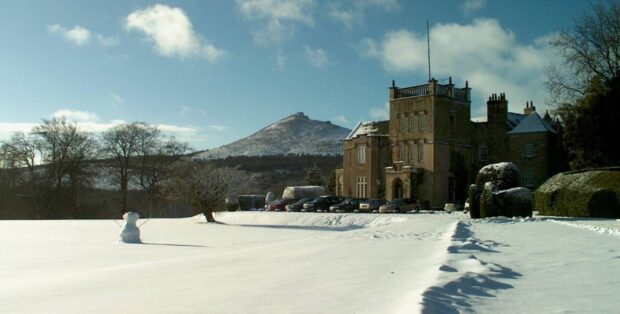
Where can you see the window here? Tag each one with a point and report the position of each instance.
(483, 153)
(410, 152)
(401, 149)
(361, 154)
(411, 117)
(420, 151)
(528, 179)
(401, 122)
(362, 187)
(421, 120)
(529, 150)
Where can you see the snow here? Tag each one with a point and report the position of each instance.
(520, 193)
(263, 262)
(500, 166)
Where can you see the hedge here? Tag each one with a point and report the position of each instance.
(588, 193)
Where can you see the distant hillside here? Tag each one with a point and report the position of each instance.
(296, 134)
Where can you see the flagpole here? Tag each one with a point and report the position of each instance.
(428, 45)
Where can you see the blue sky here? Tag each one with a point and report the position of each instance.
(211, 72)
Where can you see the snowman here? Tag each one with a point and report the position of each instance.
(130, 232)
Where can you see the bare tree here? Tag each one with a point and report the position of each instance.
(121, 144)
(17, 160)
(156, 157)
(64, 150)
(591, 48)
(204, 186)
(19, 152)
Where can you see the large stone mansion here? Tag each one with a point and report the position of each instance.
(413, 154)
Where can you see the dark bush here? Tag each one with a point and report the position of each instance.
(474, 201)
(487, 206)
(504, 175)
(515, 202)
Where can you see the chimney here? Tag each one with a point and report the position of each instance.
(393, 90)
(529, 107)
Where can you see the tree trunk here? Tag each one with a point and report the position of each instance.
(124, 184)
(209, 215)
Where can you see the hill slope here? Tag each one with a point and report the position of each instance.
(295, 134)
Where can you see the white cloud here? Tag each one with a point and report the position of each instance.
(341, 119)
(187, 110)
(78, 35)
(354, 13)
(316, 57)
(171, 32)
(117, 100)
(76, 115)
(380, 113)
(276, 18)
(483, 52)
(176, 129)
(8, 128)
(218, 128)
(280, 60)
(90, 122)
(471, 6)
(107, 41)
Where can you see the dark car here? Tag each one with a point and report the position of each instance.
(348, 205)
(321, 203)
(371, 205)
(398, 205)
(277, 205)
(298, 206)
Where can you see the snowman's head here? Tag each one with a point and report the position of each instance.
(131, 217)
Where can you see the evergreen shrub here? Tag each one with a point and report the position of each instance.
(587, 193)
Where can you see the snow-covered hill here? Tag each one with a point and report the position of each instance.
(295, 134)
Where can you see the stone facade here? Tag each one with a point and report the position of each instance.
(410, 155)
(366, 153)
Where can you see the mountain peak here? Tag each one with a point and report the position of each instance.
(296, 116)
(295, 134)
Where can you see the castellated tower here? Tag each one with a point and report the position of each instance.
(428, 124)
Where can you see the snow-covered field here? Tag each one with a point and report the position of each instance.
(258, 262)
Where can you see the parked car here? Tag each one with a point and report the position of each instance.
(277, 205)
(297, 206)
(348, 205)
(371, 205)
(398, 205)
(321, 203)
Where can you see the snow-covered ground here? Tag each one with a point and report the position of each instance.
(260, 262)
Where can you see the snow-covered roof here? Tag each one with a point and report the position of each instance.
(369, 128)
(533, 123)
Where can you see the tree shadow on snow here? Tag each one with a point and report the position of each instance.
(174, 244)
(454, 296)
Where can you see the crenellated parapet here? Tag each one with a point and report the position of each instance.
(432, 88)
